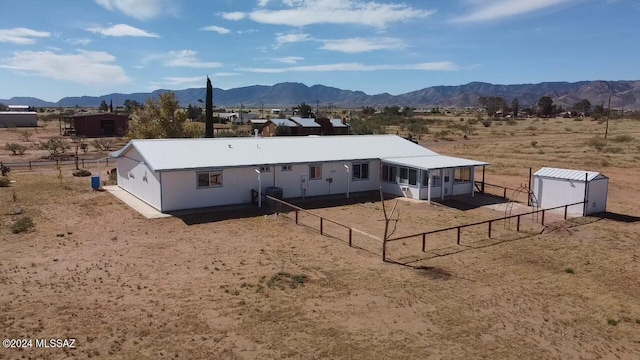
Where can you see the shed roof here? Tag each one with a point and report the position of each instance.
(337, 123)
(284, 122)
(433, 162)
(305, 122)
(566, 174)
(180, 154)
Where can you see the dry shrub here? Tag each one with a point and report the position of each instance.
(4, 181)
(622, 138)
(597, 142)
(23, 224)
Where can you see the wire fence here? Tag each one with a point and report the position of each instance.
(82, 163)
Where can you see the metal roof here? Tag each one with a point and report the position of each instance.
(305, 122)
(258, 121)
(578, 175)
(284, 122)
(179, 154)
(338, 123)
(433, 162)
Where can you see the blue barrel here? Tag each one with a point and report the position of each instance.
(95, 182)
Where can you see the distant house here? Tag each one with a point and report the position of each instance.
(18, 118)
(270, 127)
(95, 125)
(333, 126)
(308, 126)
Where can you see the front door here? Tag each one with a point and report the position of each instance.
(447, 182)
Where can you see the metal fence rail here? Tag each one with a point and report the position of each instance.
(83, 162)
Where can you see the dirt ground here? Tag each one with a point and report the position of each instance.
(250, 286)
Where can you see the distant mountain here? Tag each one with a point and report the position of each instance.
(626, 94)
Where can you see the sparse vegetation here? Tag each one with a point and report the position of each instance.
(55, 147)
(569, 270)
(15, 148)
(622, 138)
(104, 144)
(597, 143)
(612, 322)
(284, 279)
(81, 173)
(534, 143)
(26, 135)
(5, 182)
(23, 224)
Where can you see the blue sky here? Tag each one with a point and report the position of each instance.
(52, 49)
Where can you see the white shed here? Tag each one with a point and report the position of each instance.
(554, 187)
(174, 174)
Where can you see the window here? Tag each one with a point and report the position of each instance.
(209, 179)
(462, 175)
(265, 168)
(404, 175)
(413, 177)
(286, 167)
(360, 171)
(315, 172)
(436, 178)
(389, 173)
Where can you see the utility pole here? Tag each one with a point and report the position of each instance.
(317, 109)
(606, 130)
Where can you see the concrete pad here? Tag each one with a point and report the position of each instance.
(136, 204)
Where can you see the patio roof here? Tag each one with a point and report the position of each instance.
(433, 162)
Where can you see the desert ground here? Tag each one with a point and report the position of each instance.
(248, 285)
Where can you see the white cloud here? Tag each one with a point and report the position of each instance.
(83, 67)
(361, 12)
(139, 9)
(79, 41)
(121, 30)
(289, 59)
(233, 16)
(187, 58)
(218, 29)
(248, 31)
(360, 45)
(225, 74)
(428, 66)
(185, 80)
(21, 36)
(489, 10)
(291, 38)
(263, 3)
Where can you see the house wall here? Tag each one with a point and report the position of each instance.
(90, 125)
(18, 119)
(421, 191)
(557, 192)
(180, 191)
(135, 177)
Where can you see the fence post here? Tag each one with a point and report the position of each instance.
(518, 224)
(565, 212)
(505, 194)
(490, 229)
(321, 227)
(350, 236)
(458, 241)
(83, 163)
(57, 162)
(296, 216)
(424, 241)
(29, 165)
(542, 217)
(107, 161)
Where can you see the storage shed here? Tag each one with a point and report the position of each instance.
(554, 187)
(18, 119)
(95, 125)
(175, 174)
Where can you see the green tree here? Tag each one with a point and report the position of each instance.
(159, 118)
(194, 113)
(208, 128)
(583, 106)
(111, 106)
(515, 107)
(545, 106)
(104, 106)
(3, 107)
(131, 105)
(305, 110)
(391, 110)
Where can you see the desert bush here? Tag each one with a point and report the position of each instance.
(23, 224)
(4, 181)
(486, 122)
(568, 129)
(105, 144)
(597, 142)
(622, 138)
(472, 121)
(612, 322)
(442, 134)
(511, 122)
(15, 148)
(55, 147)
(614, 150)
(26, 135)
(534, 143)
(81, 173)
(531, 128)
(84, 147)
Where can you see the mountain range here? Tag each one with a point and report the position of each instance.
(624, 95)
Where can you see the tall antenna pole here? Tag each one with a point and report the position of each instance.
(606, 130)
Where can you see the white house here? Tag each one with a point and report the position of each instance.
(174, 174)
(554, 187)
